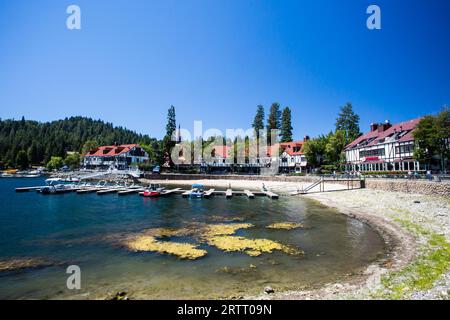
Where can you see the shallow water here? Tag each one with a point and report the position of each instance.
(69, 229)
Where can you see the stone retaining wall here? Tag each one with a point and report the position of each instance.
(411, 186)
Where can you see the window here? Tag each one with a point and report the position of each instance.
(371, 153)
(409, 148)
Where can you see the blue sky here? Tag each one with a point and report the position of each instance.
(216, 60)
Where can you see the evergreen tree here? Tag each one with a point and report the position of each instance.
(258, 122)
(41, 141)
(273, 121)
(22, 160)
(286, 125)
(348, 121)
(89, 145)
(168, 144)
(171, 122)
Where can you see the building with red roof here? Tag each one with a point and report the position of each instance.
(385, 147)
(116, 156)
(292, 157)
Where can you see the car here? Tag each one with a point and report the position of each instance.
(156, 170)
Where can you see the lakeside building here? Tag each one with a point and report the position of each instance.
(288, 157)
(116, 156)
(385, 147)
(292, 158)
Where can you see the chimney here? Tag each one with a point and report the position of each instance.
(306, 138)
(387, 124)
(373, 126)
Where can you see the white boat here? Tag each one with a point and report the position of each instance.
(52, 187)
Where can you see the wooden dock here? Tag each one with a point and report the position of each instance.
(130, 191)
(26, 189)
(271, 195)
(122, 191)
(171, 191)
(209, 193)
(249, 194)
(111, 190)
(186, 193)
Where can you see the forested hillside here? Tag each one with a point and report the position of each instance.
(41, 141)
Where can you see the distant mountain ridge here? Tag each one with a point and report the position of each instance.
(41, 140)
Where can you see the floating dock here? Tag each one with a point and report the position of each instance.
(209, 193)
(122, 191)
(249, 194)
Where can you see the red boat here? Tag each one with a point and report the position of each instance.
(151, 193)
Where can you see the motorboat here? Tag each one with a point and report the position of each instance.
(153, 191)
(197, 191)
(53, 187)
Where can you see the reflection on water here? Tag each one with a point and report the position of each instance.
(71, 229)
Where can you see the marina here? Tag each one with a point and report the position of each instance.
(123, 190)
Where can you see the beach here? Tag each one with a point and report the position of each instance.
(416, 229)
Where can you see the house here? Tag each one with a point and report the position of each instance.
(385, 147)
(116, 156)
(292, 157)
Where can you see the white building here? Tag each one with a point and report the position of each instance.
(118, 157)
(385, 148)
(292, 157)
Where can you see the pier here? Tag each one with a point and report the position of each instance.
(124, 190)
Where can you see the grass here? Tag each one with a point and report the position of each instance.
(432, 262)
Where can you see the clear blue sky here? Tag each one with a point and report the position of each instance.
(216, 60)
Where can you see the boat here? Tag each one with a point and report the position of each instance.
(52, 187)
(153, 191)
(197, 191)
(7, 175)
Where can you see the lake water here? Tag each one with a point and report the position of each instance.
(77, 229)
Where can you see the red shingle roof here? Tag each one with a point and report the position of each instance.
(407, 127)
(110, 151)
(292, 148)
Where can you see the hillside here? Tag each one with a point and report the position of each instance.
(43, 140)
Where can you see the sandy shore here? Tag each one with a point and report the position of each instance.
(282, 188)
(416, 229)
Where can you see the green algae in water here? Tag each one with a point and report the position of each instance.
(182, 250)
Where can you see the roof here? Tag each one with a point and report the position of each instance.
(292, 148)
(288, 147)
(110, 151)
(400, 132)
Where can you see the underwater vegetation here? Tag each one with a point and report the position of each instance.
(285, 225)
(23, 263)
(221, 236)
(182, 250)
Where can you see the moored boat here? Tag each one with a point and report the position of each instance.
(153, 191)
(197, 191)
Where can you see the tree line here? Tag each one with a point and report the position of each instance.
(25, 142)
(63, 142)
(277, 120)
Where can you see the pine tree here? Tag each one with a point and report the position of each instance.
(171, 122)
(348, 121)
(168, 144)
(22, 160)
(286, 125)
(258, 122)
(273, 122)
